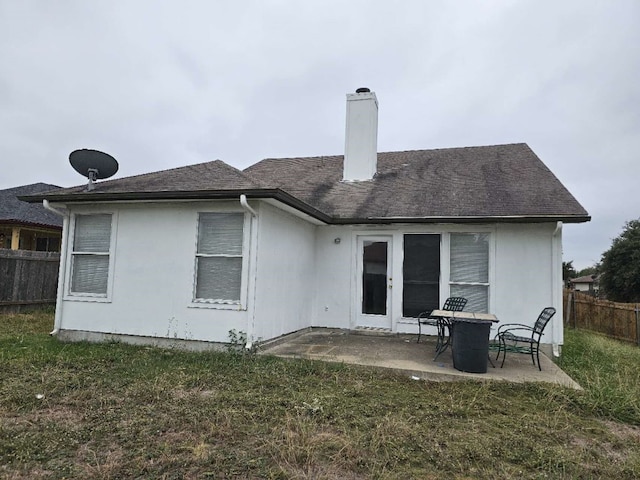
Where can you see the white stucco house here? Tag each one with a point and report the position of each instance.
(365, 240)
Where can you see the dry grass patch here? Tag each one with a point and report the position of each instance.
(116, 411)
(99, 462)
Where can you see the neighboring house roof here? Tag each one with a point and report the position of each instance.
(585, 279)
(15, 211)
(476, 184)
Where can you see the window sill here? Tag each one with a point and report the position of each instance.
(408, 321)
(217, 306)
(86, 298)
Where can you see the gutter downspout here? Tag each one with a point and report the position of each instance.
(250, 301)
(245, 205)
(556, 237)
(63, 262)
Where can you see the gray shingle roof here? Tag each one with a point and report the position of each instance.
(585, 279)
(480, 182)
(493, 183)
(210, 176)
(13, 210)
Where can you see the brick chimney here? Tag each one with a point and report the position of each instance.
(361, 140)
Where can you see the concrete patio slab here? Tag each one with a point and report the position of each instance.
(402, 354)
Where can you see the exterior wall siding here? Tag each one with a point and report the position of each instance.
(299, 275)
(335, 277)
(525, 276)
(522, 273)
(153, 280)
(285, 274)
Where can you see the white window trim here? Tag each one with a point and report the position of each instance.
(443, 269)
(90, 297)
(244, 276)
(445, 233)
(490, 260)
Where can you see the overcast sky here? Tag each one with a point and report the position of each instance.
(165, 84)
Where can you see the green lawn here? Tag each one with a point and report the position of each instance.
(117, 411)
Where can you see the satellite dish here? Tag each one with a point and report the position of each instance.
(93, 164)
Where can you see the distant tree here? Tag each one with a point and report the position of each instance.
(620, 274)
(589, 271)
(568, 271)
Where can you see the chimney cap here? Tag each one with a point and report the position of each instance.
(363, 90)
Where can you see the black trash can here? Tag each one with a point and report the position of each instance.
(470, 346)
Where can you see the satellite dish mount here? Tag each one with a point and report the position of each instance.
(93, 176)
(93, 164)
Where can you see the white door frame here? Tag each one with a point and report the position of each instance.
(364, 320)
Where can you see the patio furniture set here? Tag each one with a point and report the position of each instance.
(467, 333)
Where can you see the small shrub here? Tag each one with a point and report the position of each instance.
(238, 344)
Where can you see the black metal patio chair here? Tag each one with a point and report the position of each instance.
(453, 304)
(518, 338)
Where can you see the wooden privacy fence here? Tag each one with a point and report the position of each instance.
(616, 320)
(27, 278)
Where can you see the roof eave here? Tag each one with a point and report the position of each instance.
(466, 219)
(288, 199)
(97, 197)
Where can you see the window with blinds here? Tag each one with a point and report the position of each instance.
(219, 257)
(469, 270)
(90, 255)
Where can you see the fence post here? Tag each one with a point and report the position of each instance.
(637, 310)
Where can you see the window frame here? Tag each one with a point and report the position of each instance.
(490, 248)
(441, 270)
(223, 304)
(69, 294)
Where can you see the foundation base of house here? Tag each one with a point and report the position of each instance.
(203, 346)
(170, 343)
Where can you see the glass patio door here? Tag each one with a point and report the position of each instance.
(374, 282)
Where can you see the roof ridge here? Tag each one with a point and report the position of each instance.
(182, 168)
(458, 148)
(30, 185)
(166, 170)
(394, 151)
